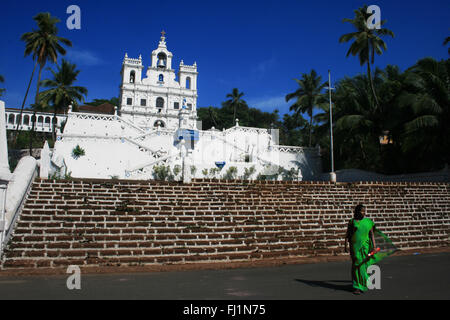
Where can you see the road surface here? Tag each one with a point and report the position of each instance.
(422, 276)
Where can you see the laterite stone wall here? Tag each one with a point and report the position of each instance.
(133, 223)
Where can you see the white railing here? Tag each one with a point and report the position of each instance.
(293, 149)
(141, 147)
(13, 120)
(18, 189)
(139, 168)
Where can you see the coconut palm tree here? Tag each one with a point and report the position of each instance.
(235, 101)
(44, 45)
(358, 122)
(61, 91)
(1, 89)
(427, 133)
(367, 42)
(213, 115)
(447, 40)
(308, 97)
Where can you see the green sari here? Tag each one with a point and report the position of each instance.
(360, 247)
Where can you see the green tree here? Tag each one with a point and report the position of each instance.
(235, 103)
(308, 97)
(366, 42)
(446, 41)
(1, 81)
(357, 124)
(427, 133)
(61, 90)
(96, 102)
(44, 45)
(293, 130)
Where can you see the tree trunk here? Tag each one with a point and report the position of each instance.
(54, 121)
(369, 74)
(310, 129)
(23, 103)
(36, 101)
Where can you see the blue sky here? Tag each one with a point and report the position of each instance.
(255, 46)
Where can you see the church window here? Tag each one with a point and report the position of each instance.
(189, 106)
(129, 101)
(132, 76)
(143, 102)
(159, 123)
(161, 78)
(176, 105)
(160, 102)
(188, 82)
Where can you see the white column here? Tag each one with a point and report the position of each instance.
(5, 174)
(4, 165)
(45, 162)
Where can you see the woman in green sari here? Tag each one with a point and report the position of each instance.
(361, 236)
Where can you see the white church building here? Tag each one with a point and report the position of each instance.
(156, 125)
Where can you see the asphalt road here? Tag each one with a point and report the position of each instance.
(423, 276)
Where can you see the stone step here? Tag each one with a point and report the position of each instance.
(100, 222)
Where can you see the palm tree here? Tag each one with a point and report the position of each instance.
(427, 134)
(367, 41)
(309, 96)
(44, 45)
(212, 115)
(1, 89)
(358, 122)
(235, 101)
(447, 40)
(62, 92)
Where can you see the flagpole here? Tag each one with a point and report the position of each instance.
(331, 124)
(331, 121)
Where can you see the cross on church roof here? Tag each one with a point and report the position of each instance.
(163, 33)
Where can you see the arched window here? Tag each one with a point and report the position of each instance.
(47, 121)
(159, 123)
(188, 83)
(132, 76)
(160, 103)
(40, 120)
(11, 119)
(161, 78)
(26, 120)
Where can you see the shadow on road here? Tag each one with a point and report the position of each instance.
(329, 284)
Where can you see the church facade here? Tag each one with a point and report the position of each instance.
(156, 126)
(155, 100)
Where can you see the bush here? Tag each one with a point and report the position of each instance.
(248, 172)
(162, 173)
(78, 152)
(176, 170)
(213, 172)
(231, 174)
